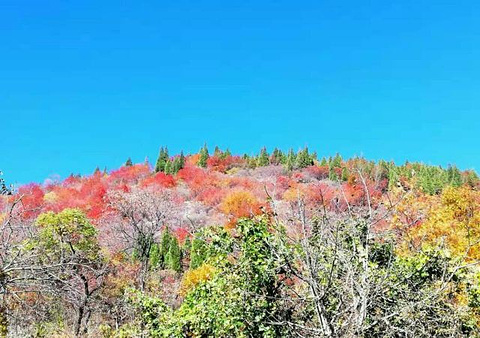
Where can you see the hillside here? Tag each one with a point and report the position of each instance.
(221, 245)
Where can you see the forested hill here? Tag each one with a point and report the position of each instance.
(221, 245)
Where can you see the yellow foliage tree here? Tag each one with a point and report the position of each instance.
(192, 278)
(453, 222)
(240, 203)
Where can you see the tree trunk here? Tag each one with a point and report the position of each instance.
(78, 323)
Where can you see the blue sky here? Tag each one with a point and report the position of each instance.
(87, 83)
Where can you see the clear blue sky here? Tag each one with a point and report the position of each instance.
(87, 83)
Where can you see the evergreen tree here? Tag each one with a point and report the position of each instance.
(173, 259)
(217, 152)
(168, 167)
(290, 161)
(276, 157)
(332, 175)
(454, 176)
(182, 160)
(303, 159)
(4, 190)
(344, 174)
(323, 162)
(155, 255)
(225, 154)
(176, 165)
(202, 161)
(129, 162)
(164, 247)
(337, 161)
(162, 160)
(432, 179)
(187, 246)
(263, 159)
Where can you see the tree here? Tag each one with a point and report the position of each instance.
(129, 162)
(432, 179)
(290, 161)
(18, 268)
(162, 160)
(178, 163)
(168, 169)
(277, 157)
(263, 159)
(173, 259)
(336, 161)
(164, 246)
(240, 203)
(454, 223)
(454, 176)
(156, 258)
(202, 161)
(303, 159)
(4, 190)
(67, 244)
(226, 154)
(198, 253)
(142, 214)
(345, 174)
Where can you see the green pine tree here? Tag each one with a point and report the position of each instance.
(168, 167)
(276, 157)
(263, 159)
(202, 161)
(332, 174)
(454, 176)
(164, 247)
(226, 154)
(344, 174)
(337, 161)
(187, 246)
(176, 165)
(162, 160)
(173, 259)
(129, 162)
(290, 161)
(217, 152)
(303, 159)
(155, 255)
(181, 161)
